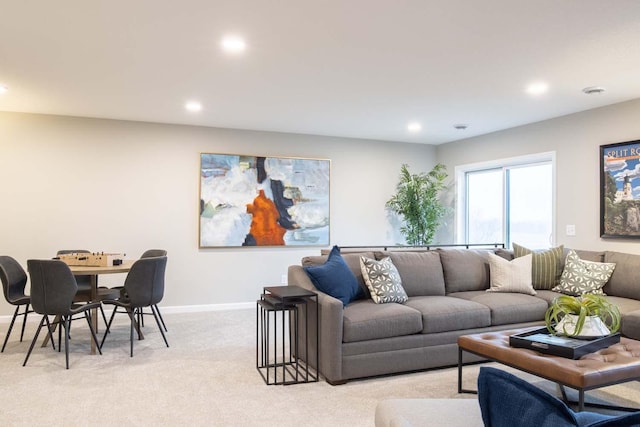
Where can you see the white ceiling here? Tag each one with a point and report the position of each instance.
(351, 68)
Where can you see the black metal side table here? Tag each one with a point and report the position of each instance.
(287, 367)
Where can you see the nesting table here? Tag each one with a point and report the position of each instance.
(278, 350)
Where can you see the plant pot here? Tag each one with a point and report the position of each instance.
(593, 327)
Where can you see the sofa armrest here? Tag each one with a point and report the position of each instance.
(330, 327)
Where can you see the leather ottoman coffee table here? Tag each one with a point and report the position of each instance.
(613, 365)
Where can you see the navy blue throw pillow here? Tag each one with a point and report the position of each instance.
(507, 401)
(335, 278)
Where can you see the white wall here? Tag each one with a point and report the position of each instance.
(575, 139)
(118, 186)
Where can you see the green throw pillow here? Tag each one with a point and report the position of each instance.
(546, 266)
(584, 277)
(383, 280)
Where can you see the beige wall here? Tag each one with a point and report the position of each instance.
(118, 186)
(575, 139)
(122, 186)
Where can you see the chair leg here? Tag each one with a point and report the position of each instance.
(160, 316)
(60, 326)
(104, 316)
(115, 308)
(93, 332)
(13, 319)
(50, 333)
(135, 316)
(24, 322)
(155, 315)
(67, 325)
(133, 320)
(33, 342)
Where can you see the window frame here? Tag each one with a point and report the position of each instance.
(461, 229)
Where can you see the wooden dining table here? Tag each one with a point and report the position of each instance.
(93, 272)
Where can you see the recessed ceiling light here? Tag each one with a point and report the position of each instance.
(414, 127)
(592, 90)
(3, 89)
(193, 106)
(537, 88)
(234, 44)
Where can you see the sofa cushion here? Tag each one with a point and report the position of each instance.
(383, 280)
(421, 272)
(546, 265)
(510, 276)
(443, 313)
(630, 326)
(626, 276)
(547, 295)
(504, 253)
(595, 256)
(353, 261)
(365, 320)
(625, 305)
(583, 277)
(335, 278)
(508, 308)
(465, 269)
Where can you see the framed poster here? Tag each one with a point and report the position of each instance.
(250, 201)
(620, 190)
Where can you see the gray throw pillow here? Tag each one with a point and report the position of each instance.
(383, 280)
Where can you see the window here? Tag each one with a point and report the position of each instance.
(506, 201)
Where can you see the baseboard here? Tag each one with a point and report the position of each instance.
(207, 307)
(171, 309)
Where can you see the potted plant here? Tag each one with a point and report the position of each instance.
(586, 316)
(417, 201)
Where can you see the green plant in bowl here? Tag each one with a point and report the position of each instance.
(567, 315)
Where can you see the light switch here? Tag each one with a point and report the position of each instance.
(571, 230)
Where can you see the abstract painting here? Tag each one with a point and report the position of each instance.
(620, 190)
(250, 201)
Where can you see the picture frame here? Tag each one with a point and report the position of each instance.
(619, 197)
(253, 201)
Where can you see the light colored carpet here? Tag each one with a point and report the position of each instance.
(206, 378)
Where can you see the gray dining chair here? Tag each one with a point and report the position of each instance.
(150, 253)
(14, 282)
(53, 289)
(143, 287)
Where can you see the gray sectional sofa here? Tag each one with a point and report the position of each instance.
(447, 298)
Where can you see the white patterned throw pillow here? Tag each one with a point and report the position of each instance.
(583, 277)
(383, 280)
